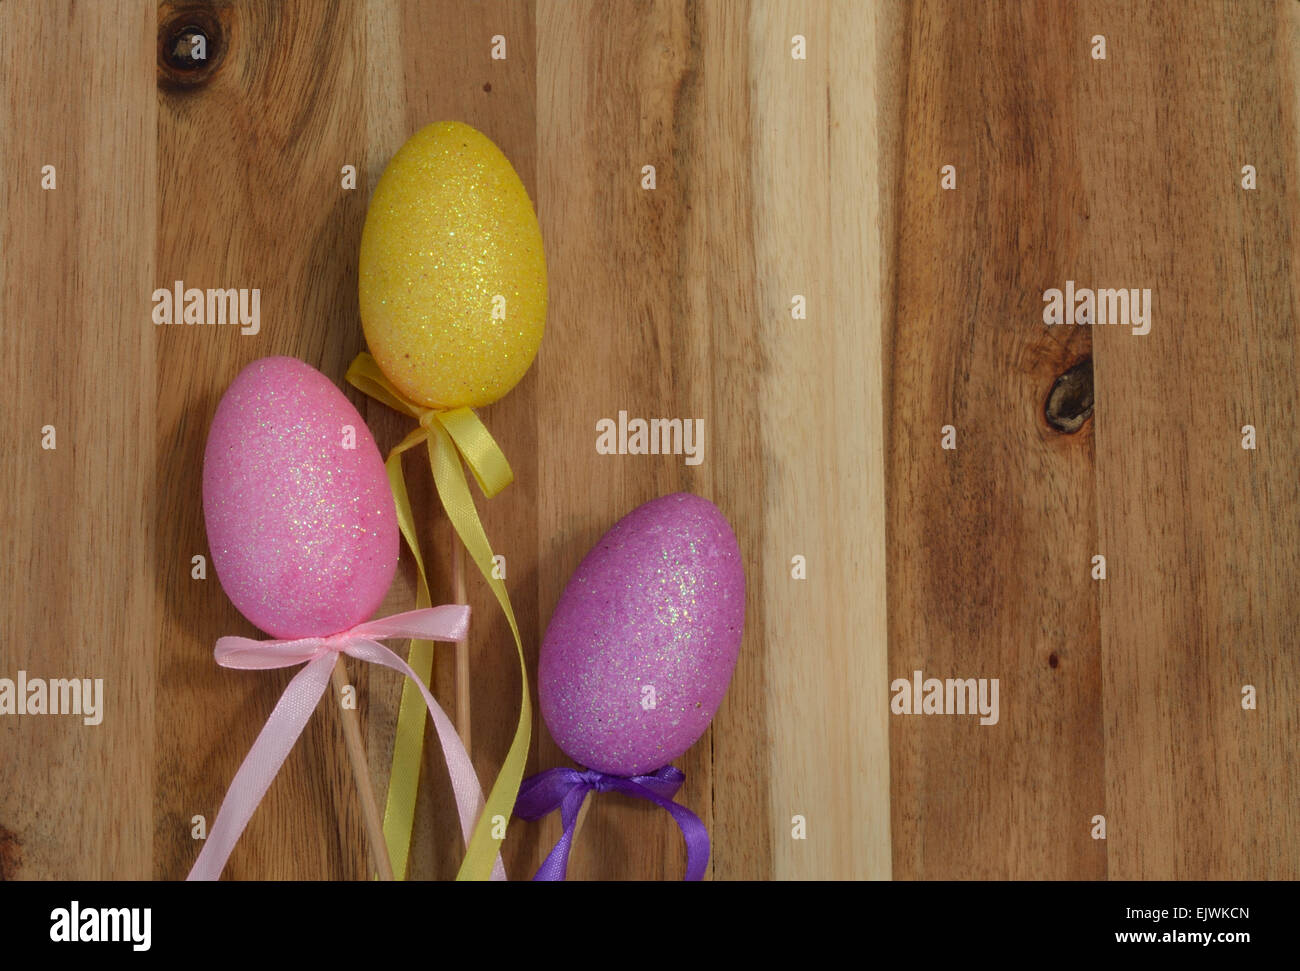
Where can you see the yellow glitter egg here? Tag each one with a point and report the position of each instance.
(452, 273)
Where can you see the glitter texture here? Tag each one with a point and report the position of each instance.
(659, 601)
(449, 229)
(302, 529)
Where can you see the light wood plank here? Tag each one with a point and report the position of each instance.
(818, 231)
(77, 570)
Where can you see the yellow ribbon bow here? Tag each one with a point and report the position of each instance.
(452, 435)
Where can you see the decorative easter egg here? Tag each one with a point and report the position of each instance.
(452, 273)
(643, 641)
(300, 519)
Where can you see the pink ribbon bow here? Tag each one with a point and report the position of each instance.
(281, 731)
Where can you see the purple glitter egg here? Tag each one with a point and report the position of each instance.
(642, 644)
(299, 515)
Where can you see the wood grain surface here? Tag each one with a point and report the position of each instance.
(776, 178)
(989, 543)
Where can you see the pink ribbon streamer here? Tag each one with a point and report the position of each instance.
(300, 698)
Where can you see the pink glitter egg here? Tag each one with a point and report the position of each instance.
(300, 519)
(643, 641)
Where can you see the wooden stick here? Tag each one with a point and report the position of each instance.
(582, 815)
(361, 773)
(462, 646)
(577, 827)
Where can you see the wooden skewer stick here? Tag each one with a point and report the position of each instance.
(577, 827)
(361, 773)
(462, 646)
(582, 816)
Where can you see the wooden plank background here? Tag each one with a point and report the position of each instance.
(776, 177)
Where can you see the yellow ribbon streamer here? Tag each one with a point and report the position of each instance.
(452, 435)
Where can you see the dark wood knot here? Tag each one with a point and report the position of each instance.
(1069, 403)
(192, 40)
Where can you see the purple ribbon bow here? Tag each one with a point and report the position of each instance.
(566, 789)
